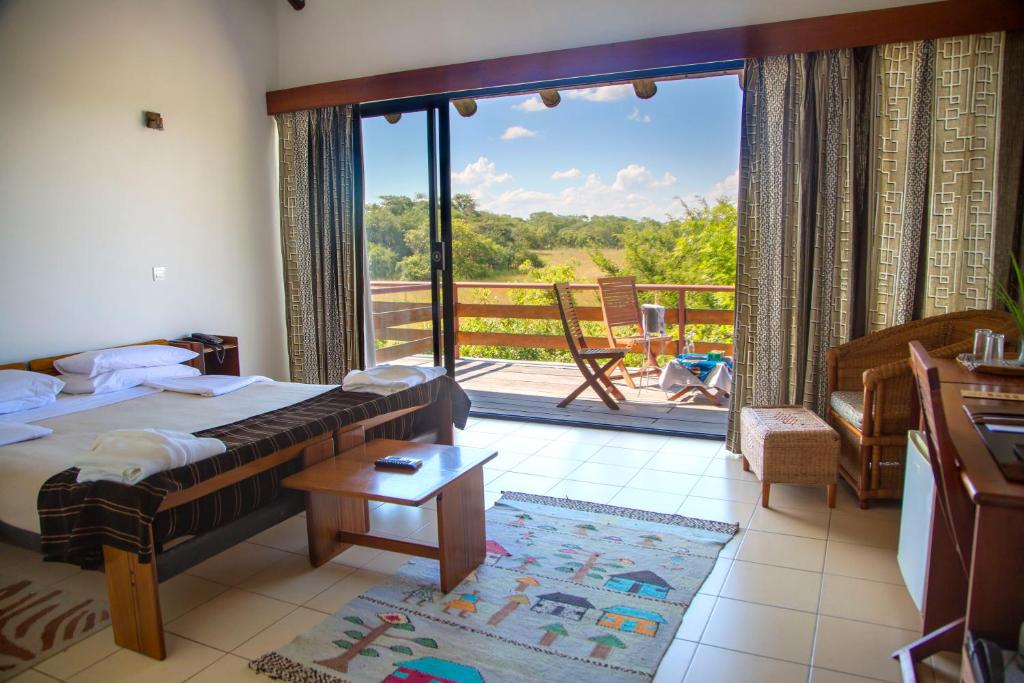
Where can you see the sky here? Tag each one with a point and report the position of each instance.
(601, 151)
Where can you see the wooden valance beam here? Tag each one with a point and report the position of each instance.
(855, 29)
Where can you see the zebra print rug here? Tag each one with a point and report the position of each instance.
(37, 622)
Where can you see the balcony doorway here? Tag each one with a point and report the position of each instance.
(604, 183)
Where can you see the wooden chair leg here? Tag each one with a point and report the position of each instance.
(602, 373)
(948, 637)
(602, 394)
(862, 485)
(626, 377)
(831, 488)
(746, 463)
(590, 381)
(134, 602)
(702, 390)
(766, 488)
(578, 390)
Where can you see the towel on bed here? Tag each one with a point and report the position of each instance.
(14, 432)
(206, 385)
(389, 379)
(128, 456)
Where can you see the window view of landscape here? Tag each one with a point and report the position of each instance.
(603, 184)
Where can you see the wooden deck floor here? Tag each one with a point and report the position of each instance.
(532, 389)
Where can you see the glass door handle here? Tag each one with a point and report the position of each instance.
(437, 260)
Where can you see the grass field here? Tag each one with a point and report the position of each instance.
(586, 271)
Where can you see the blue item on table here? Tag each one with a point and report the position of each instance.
(700, 363)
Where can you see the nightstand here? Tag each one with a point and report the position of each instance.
(223, 363)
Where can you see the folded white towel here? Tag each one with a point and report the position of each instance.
(388, 379)
(13, 432)
(206, 385)
(130, 455)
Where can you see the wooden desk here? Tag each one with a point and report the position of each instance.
(992, 599)
(337, 490)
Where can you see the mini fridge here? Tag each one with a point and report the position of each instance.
(916, 519)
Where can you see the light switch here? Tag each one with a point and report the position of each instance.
(159, 273)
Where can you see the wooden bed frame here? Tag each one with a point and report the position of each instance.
(132, 586)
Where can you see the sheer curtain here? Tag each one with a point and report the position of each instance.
(322, 243)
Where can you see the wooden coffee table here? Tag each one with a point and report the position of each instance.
(338, 489)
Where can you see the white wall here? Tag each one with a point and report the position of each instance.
(336, 39)
(90, 200)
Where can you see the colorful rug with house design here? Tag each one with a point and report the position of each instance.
(570, 591)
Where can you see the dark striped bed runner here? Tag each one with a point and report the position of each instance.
(77, 520)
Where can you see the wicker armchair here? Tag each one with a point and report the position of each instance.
(871, 394)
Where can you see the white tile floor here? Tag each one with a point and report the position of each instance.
(803, 594)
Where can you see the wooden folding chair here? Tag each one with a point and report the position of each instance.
(954, 512)
(621, 307)
(594, 375)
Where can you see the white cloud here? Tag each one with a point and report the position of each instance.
(516, 132)
(638, 117)
(727, 186)
(531, 103)
(567, 174)
(609, 93)
(667, 180)
(480, 173)
(636, 176)
(635, 192)
(518, 202)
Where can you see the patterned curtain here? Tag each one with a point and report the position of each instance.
(321, 242)
(795, 228)
(962, 241)
(915, 129)
(898, 149)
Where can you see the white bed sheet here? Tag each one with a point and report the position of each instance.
(66, 404)
(25, 467)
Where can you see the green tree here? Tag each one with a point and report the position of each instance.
(696, 247)
(603, 646)
(552, 632)
(361, 642)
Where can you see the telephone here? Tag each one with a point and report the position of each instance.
(213, 341)
(206, 339)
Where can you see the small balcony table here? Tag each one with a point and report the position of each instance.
(716, 382)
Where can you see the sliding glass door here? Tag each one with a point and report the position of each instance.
(407, 219)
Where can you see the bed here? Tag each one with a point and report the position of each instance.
(173, 520)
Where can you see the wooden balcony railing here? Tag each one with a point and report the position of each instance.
(401, 308)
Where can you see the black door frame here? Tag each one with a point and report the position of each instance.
(439, 202)
(438, 107)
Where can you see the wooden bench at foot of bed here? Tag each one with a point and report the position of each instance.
(133, 586)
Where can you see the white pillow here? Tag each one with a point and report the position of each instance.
(21, 390)
(115, 380)
(93, 363)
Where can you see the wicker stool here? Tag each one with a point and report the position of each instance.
(789, 445)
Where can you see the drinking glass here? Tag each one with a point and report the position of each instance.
(994, 349)
(980, 341)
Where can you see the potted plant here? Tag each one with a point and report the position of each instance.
(1014, 304)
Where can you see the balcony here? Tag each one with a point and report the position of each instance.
(509, 339)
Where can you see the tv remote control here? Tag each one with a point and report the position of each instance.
(398, 463)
